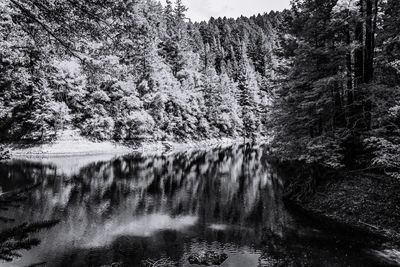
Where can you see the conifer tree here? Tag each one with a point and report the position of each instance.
(248, 96)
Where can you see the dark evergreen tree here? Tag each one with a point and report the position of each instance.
(14, 240)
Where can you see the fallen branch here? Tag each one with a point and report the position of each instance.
(370, 225)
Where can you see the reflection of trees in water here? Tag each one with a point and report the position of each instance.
(133, 208)
(15, 239)
(233, 187)
(227, 186)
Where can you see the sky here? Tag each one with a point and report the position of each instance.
(204, 9)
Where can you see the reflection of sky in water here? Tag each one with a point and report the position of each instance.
(218, 227)
(145, 226)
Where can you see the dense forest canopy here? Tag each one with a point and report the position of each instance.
(126, 69)
(340, 102)
(322, 78)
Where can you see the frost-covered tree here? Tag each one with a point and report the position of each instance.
(248, 95)
(124, 69)
(228, 114)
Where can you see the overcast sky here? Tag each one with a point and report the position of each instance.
(204, 9)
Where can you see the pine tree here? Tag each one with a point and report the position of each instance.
(248, 96)
(14, 240)
(212, 97)
(180, 10)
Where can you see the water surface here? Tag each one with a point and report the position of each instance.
(132, 208)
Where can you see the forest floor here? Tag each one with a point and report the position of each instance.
(71, 143)
(358, 206)
(364, 200)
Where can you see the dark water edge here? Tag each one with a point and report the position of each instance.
(132, 208)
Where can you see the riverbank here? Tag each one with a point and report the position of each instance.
(365, 201)
(71, 143)
(363, 208)
(67, 143)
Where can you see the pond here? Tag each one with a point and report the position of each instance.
(133, 208)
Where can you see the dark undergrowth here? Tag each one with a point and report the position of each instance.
(368, 201)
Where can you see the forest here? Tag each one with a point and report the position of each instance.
(321, 79)
(123, 70)
(313, 91)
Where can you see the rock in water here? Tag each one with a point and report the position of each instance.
(207, 258)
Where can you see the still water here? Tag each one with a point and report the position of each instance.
(132, 208)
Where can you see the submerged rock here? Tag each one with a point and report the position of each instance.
(207, 258)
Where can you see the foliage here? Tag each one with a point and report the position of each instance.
(19, 238)
(4, 154)
(338, 105)
(322, 77)
(123, 69)
(15, 239)
(164, 262)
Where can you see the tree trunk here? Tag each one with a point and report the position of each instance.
(364, 63)
(370, 29)
(350, 82)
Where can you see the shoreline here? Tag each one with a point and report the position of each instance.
(70, 143)
(384, 245)
(362, 201)
(362, 205)
(80, 148)
(70, 162)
